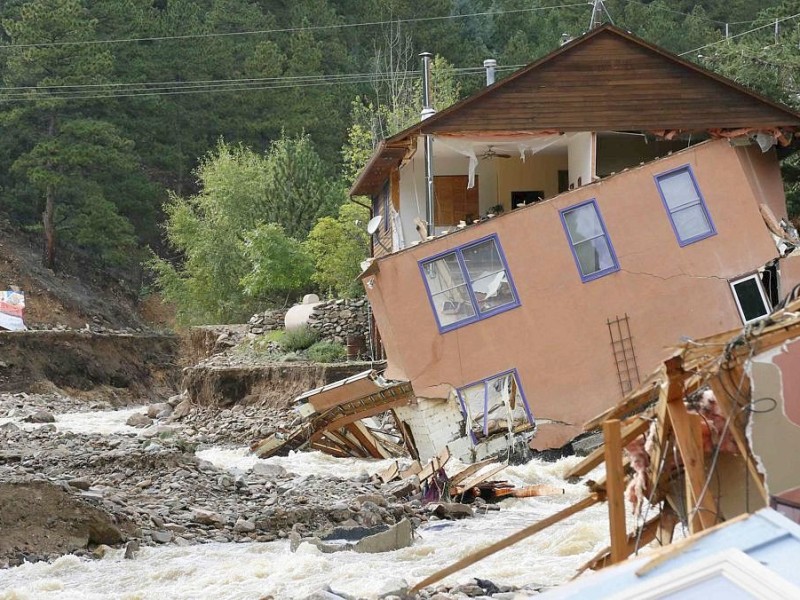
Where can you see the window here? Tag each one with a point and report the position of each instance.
(685, 207)
(469, 283)
(589, 239)
(495, 405)
(751, 300)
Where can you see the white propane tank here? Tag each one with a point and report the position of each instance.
(298, 315)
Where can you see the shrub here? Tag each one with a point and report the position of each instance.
(326, 352)
(298, 339)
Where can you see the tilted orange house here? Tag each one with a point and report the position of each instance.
(625, 199)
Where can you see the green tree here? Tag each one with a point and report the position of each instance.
(62, 151)
(280, 267)
(337, 247)
(248, 202)
(296, 186)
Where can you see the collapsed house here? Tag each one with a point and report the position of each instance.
(542, 242)
(703, 442)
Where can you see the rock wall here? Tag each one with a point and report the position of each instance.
(335, 320)
(269, 320)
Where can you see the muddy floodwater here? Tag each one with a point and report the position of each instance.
(255, 570)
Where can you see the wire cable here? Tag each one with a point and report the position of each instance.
(190, 36)
(770, 24)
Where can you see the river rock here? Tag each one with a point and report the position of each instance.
(162, 537)
(131, 548)
(40, 416)
(244, 526)
(207, 517)
(139, 420)
(268, 470)
(80, 483)
(159, 411)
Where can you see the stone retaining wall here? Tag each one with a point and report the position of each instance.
(334, 320)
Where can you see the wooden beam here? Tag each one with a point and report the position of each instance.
(615, 489)
(366, 439)
(510, 540)
(662, 437)
(630, 431)
(700, 506)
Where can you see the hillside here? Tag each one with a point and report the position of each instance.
(62, 298)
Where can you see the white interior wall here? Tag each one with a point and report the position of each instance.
(581, 154)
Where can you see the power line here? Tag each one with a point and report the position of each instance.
(770, 24)
(330, 80)
(285, 29)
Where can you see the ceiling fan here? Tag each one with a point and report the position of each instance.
(491, 153)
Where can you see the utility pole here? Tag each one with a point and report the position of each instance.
(598, 9)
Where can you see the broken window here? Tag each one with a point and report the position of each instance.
(751, 300)
(685, 206)
(469, 283)
(495, 405)
(589, 240)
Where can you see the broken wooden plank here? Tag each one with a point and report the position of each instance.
(530, 491)
(433, 466)
(473, 468)
(477, 478)
(630, 431)
(508, 541)
(389, 473)
(366, 439)
(413, 469)
(615, 489)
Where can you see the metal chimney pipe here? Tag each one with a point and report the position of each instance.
(427, 111)
(490, 65)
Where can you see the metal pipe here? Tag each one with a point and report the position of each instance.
(490, 65)
(427, 111)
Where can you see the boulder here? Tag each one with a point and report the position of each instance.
(40, 416)
(139, 420)
(268, 470)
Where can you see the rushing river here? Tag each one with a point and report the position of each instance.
(256, 570)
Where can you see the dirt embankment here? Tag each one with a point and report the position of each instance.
(127, 366)
(53, 520)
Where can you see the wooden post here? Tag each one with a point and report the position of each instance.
(615, 490)
(700, 505)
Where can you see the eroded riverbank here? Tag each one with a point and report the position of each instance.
(212, 519)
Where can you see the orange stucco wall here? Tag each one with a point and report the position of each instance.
(558, 338)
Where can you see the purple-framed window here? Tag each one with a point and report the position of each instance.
(591, 247)
(494, 405)
(469, 283)
(685, 205)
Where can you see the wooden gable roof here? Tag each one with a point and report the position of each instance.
(605, 80)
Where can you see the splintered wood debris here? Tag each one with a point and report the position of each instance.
(693, 408)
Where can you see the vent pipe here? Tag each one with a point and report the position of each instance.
(490, 65)
(427, 111)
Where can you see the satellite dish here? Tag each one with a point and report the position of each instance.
(373, 224)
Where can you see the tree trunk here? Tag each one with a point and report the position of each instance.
(48, 217)
(49, 256)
